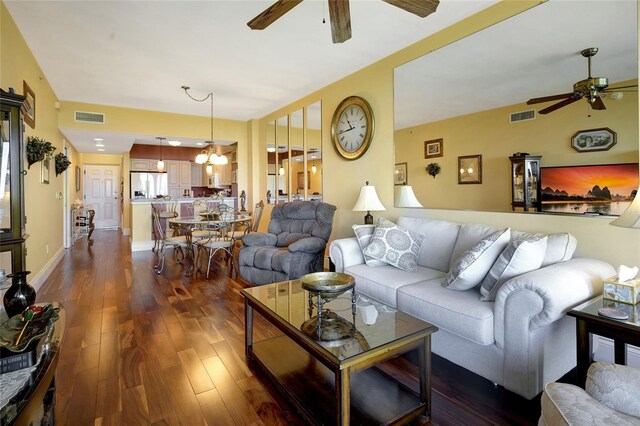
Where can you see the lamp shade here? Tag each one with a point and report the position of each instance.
(368, 200)
(631, 217)
(160, 166)
(406, 197)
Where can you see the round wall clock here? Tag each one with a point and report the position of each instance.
(352, 127)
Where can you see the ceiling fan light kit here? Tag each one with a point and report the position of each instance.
(339, 14)
(589, 88)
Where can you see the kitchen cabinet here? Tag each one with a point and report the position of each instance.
(138, 164)
(226, 175)
(178, 178)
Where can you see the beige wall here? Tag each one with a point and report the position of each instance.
(490, 134)
(42, 207)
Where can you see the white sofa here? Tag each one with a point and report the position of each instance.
(523, 339)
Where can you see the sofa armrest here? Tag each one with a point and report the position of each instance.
(538, 298)
(310, 245)
(345, 252)
(616, 386)
(259, 239)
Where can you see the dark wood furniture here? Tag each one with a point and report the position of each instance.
(34, 403)
(588, 323)
(526, 192)
(12, 217)
(336, 381)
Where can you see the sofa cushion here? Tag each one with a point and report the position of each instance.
(560, 246)
(394, 245)
(382, 283)
(471, 267)
(459, 312)
(440, 237)
(364, 233)
(521, 255)
(469, 235)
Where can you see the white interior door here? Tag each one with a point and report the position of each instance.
(101, 192)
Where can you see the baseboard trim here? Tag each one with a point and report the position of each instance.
(604, 352)
(39, 279)
(126, 231)
(141, 245)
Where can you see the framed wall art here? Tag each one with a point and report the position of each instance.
(470, 169)
(29, 106)
(433, 148)
(400, 174)
(45, 170)
(78, 176)
(593, 140)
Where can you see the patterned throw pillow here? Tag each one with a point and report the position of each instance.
(471, 267)
(364, 233)
(522, 255)
(394, 245)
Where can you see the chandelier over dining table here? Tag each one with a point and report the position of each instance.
(208, 156)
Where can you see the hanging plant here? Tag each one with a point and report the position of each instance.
(62, 163)
(38, 149)
(433, 169)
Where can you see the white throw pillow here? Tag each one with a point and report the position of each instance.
(394, 245)
(364, 233)
(470, 268)
(520, 256)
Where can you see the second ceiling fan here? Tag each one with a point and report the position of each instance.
(339, 14)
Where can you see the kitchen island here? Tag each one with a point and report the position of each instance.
(142, 221)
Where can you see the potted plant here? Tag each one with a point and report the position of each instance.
(38, 149)
(62, 163)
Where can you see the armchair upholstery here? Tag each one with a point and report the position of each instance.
(293, 246)
(610, 397)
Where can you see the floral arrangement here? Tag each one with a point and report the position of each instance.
(433, 169)
(38, 149)
(62, 163)
(77, 204)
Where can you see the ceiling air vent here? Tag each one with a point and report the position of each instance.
(90, 117)
(522, 116)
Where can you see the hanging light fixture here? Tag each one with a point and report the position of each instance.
(208, 154)
(314, 169)
(160, 165)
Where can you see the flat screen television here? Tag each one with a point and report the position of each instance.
(605, 189)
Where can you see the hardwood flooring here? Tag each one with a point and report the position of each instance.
(148, 349)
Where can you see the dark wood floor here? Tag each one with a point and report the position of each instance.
(142, 348)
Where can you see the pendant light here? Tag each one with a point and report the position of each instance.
(160, 164)
(208, 154)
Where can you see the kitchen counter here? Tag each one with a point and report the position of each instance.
(226, 200)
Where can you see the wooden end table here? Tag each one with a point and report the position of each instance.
(588, 323)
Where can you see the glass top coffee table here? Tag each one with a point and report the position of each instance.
(327, 370)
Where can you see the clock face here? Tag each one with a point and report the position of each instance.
(352, 127)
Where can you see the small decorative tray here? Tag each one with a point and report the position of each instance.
(209, 215)
(327, 282)
(35, 328)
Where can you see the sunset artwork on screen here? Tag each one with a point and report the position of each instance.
(602, 189)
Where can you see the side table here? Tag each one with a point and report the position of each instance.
(588, 323)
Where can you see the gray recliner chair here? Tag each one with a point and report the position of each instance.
(293, 246)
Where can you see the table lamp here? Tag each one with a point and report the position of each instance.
(368, 201)
(406, 197)
(631, 217)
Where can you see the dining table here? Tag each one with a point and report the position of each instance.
(222, 224)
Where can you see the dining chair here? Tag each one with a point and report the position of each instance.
(179, 243)
(218, 240)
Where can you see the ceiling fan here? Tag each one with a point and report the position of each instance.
(338, 14)
(589, 88)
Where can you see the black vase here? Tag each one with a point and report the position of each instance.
(20, 295)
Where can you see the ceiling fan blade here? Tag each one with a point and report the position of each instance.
(340, 17)
(272, 13)
(549, 98)
(559, 105)
(597, 104)
(422, 8)
(619, 88)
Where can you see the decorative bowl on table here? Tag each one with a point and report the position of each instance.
(18, 332)
(209, 215)
(329, 284)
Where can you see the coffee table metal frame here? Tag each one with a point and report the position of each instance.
(344, 369)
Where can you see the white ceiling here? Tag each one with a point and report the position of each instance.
(534, 54)
(137, 54)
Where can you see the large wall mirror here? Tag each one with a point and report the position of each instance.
(469, 99)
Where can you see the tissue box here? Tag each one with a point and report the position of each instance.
(632, 310)
(625, 292)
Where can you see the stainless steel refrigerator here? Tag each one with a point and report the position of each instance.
(148, 184)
